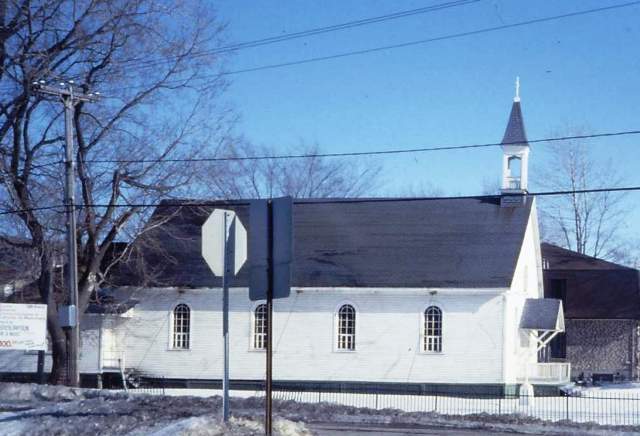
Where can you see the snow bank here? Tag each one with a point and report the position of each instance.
(29, 392)
(44, 410)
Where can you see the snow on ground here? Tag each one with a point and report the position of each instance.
(606, 409)
(627, 389)
(27, 409)
(615, 404)
(49, 410)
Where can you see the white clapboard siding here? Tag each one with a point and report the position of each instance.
(527, 283)
(481, 337)
(387, 337)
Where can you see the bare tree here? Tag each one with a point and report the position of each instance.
(301, 177)
(591, 223)
(157, 66)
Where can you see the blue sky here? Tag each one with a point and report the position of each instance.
(582, 71)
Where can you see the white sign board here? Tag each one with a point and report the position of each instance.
(213, 235)
(23, 326)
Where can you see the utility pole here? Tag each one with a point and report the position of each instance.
(70, 98)
(271, 251)
(268, 424)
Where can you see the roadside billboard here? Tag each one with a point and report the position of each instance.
(23, 326)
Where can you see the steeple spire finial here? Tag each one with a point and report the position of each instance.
(515, 150)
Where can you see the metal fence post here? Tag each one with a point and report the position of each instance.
(435, 405)
(567, 407)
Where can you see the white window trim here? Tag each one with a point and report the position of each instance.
(252, 320)
(170, 346)
(335, 327)
(421, 335)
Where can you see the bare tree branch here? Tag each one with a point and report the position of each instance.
(593, 223)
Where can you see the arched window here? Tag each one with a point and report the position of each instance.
(346, 328)
(181, 327)
(515, 168)
(260, 327)
(432, 330)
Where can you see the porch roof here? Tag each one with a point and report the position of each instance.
(543, 314)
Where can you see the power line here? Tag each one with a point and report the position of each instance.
(361, 153)
(405, 44)
(306, 33)
(434, 39)
(245, 202)
(395, 46)
(30, 209)
(137, 64)
(470, 197)
(348, 153)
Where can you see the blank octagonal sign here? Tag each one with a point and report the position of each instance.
(213, 234)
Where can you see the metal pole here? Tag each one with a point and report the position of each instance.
(225, 320)
(74, 334)
(268, 403)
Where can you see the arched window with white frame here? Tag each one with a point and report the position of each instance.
(432, 330)
(346, 327)
(181, 327)
(260, 327)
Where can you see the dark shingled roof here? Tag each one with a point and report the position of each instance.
(590, 288)
(515, 133)
(564, 259)
(542, 314)
(466, 243)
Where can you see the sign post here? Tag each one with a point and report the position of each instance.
(271, 247)
(224, 248)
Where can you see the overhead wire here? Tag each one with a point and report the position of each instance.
(356, 153)
(245, 202)
(402, 45)
(381, 48)
(306, 33)
(135, 64)
(169, 83)
(29, 209)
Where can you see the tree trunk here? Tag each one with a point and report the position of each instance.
(56, 334)
(59, 350)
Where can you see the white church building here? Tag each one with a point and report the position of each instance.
(390, 294)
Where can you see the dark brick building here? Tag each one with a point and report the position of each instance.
(601, 303)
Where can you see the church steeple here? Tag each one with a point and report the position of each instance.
(515, 150)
